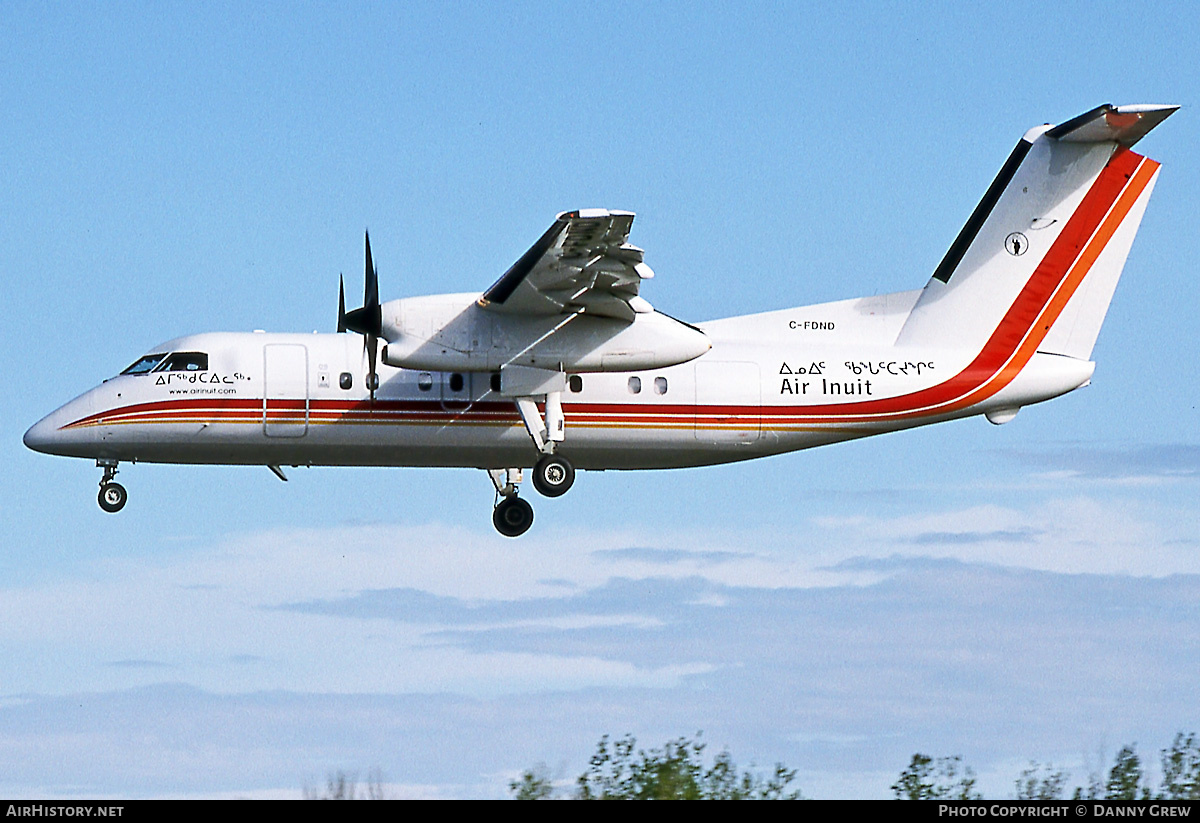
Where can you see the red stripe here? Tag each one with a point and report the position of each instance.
(1049, 282)
(1021, 315)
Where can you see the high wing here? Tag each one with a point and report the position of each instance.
(583, 263)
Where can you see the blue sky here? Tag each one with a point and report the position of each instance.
(1013, 593)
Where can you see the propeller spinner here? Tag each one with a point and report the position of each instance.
(368, 320)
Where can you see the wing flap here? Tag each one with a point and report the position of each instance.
(583, 263)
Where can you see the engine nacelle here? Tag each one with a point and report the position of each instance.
(453, 333)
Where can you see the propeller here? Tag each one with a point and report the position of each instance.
(368, 320)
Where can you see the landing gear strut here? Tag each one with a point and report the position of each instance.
(553, 474)
(112, 497)
(512, 516)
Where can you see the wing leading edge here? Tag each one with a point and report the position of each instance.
(584, 263)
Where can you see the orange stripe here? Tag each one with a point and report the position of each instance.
(250, 411)
(1066, 291)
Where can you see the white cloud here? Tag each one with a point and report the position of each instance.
(1072, 535)
(224, 616)
(849, 643)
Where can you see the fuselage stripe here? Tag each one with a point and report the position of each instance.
(1010, 347)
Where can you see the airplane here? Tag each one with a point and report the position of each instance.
(562, 364)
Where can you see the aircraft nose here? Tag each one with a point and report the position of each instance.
(42, 435)
(50, 436)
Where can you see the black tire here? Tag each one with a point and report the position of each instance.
(112, 497)
(512, 516)
(553, 475)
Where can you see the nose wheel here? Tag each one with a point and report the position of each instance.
(112, 497)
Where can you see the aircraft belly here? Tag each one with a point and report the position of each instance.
(460, 443)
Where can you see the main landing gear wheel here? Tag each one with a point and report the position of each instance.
(553, 475)
(512, 516)
(112, 497)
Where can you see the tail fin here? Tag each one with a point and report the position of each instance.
(1036, 264)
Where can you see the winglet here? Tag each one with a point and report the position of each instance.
(1112, 124)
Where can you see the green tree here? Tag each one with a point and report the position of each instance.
(534, 784)
(1041, 783)
(1181, 769)
(619, 770)
(722, 782)
(941, 779)
(1126, 777)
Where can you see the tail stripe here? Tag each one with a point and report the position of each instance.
(1038, 331)
(1035, 308)
(1014, 342)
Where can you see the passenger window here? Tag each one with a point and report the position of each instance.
(424, 381)
(346, 380)
(575, 383)
(145, 364)
(185, 361)
(635, 385)
(660, 385)
(456, 382)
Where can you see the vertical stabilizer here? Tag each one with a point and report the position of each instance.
(1038, 260)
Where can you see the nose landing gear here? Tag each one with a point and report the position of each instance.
(112, 497)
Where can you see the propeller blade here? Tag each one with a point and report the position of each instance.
(368, 320)
(341, 327)
(370, 278)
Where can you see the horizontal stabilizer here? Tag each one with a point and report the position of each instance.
(1112, 124)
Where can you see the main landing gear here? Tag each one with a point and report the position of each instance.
(513, 515)
(553, 474)
(112, 497)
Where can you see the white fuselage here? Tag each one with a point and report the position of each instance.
(561, 364)
(771, 383)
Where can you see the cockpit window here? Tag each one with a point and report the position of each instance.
(185, 361)
(145, 364)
